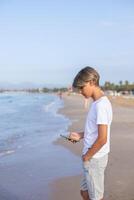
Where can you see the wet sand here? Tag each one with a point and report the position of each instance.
(119, 179)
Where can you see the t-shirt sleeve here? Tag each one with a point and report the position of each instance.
(102, 114)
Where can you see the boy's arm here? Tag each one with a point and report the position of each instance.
(101, 140)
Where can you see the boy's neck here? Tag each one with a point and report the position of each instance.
(97, 93)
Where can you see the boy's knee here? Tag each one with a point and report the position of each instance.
(84, 195)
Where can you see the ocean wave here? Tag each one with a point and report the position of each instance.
(5, 97)
(7, 152)
(48, 107)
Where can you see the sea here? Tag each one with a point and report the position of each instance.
(29, 159)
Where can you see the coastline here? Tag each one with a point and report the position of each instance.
(119, 177)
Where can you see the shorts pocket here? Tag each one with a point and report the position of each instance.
(103, 162)
(86, 165)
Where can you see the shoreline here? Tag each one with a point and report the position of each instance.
(71, 110)
(119, 177)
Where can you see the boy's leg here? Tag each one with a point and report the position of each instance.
(84, 194)
(94, 177)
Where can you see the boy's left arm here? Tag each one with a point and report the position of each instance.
(101, 140)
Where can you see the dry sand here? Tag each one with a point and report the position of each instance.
(119, 180)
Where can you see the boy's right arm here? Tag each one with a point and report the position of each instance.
(76, 136)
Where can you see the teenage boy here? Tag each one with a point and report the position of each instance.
(96, 134)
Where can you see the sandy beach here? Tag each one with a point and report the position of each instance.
(119, 179)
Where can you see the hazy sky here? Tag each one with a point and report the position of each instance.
(49, 41)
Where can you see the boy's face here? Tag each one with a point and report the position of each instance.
(87, 90)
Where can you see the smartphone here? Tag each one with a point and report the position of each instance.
(69, 139)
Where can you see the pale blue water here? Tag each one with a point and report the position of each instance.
(24, 115)
(29, 123)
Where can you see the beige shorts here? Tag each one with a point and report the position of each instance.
(93, 179)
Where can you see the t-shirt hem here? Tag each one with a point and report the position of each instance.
(100, 155)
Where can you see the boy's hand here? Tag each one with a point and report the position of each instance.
(85, 158)
(74, 136)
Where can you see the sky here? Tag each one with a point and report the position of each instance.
(49, 41)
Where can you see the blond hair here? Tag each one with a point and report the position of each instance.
(87, 74)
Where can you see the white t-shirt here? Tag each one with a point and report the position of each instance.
(99, 113)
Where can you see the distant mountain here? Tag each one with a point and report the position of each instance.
(27, 85)
(6, 85)
(23, 85)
